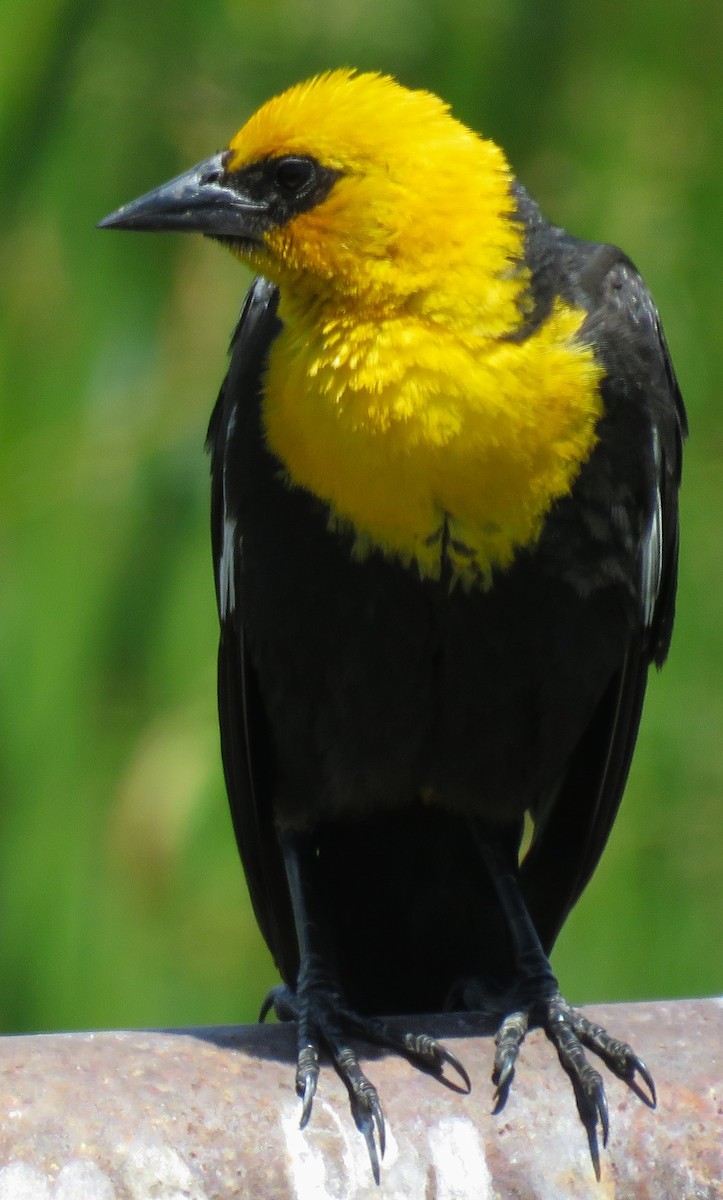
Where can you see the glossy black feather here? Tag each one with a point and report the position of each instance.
(245, 742)
(397, 719)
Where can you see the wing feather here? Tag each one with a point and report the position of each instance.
(574, 826)
(246, 743)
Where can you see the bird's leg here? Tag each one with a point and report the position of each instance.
(537, 1001)
(323, 1018)
(317, 1006)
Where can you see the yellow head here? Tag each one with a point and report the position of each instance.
(409, 196)
(355, 189)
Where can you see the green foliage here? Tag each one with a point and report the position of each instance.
(121, 897)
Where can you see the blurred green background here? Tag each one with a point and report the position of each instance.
(121, 898)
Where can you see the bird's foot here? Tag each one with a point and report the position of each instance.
(571, 1033)
(318, 1011)
(325, 1022)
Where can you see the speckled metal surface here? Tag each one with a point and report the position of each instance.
(212, 1115)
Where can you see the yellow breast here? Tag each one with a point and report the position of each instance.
(408, 429)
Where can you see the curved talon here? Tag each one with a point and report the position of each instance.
(266, 1005)
(451, 1059)
(369, 1123)
(503, 1071)
(433, 1055)
(281, 1002)
(594, 1152)
(502, 1080)
(601, 1102)
(641, 1069)
(378, 1117)
(307, 1076)
(593, 1110)
(307, 1099)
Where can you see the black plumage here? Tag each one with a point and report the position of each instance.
(387, 714)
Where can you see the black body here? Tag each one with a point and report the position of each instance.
(400, 720)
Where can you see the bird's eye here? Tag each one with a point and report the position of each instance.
(294, 175)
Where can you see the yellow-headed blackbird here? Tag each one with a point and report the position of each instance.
(445, 464)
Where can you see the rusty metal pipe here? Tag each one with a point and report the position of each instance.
(211, 1114)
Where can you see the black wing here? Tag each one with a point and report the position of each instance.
(245, 741)
(573, 828)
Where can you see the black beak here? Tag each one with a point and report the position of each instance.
(199, 201)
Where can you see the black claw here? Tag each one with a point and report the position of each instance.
(503, 1073)
(366, 1109)
(593, 1110)
(602, 1108)
(432, 1055)
(381, 1126)
(308, 1091)
(282, 1002)
(594, 1151)
(368, 1127)
(647, 1078)
(451, 1059)
(307, 1075)
(502, 1080)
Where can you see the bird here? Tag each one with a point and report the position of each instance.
(445, 464)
